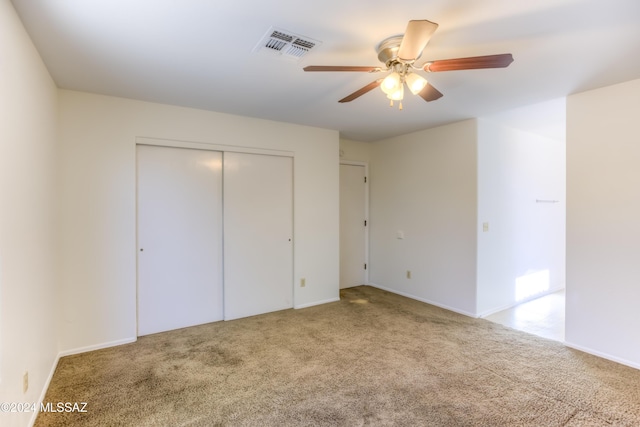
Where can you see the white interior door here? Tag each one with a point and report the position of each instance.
(179, 238)
(258, 224)
(352, 225)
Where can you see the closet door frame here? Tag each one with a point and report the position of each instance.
(212, 147)
(220, 148)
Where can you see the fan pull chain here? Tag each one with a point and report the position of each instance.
(400, 108)
(391, 103)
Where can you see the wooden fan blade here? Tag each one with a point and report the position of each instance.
(473, 63)
(415, 39)
(430, 93)
(341, 68)
(361, 91)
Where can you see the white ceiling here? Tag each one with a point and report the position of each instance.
(199, 54)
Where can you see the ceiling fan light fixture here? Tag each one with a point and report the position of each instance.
(391, 83)
(399, 54)
(415, 83)
(397, 95)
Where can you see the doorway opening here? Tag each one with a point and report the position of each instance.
(543, 316)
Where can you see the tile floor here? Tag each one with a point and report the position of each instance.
(543, 316)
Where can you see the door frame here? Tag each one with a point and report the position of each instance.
(366, 213)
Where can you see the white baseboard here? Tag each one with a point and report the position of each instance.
(43, 393)
(61, 354)
(96, 347)
(515, 303)
(404, 294)
(311, 304)
(603, 355)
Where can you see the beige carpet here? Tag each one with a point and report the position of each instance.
(374, 358)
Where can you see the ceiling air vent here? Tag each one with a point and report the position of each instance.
(285, 44)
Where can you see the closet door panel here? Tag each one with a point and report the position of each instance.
(258, 225)
(179, 238)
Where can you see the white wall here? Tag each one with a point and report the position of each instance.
(424, 184)
(355, 151)
(525, 242)
(98, 136)
(28, 113)
(603, 222)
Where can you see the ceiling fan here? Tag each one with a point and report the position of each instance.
(399, 54)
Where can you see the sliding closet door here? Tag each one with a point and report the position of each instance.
(179, 238)
(258, 224)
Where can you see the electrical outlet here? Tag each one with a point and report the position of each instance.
(303, 282)
(25, 382)
(485, 227)
(408, 274)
